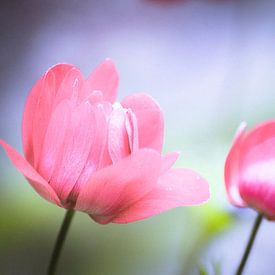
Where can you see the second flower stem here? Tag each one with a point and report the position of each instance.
(60, 241)
(249, 245)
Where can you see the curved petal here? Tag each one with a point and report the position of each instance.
(177, 187)
(261, 141)
(54, 140)
(71, 87)
(132, 130)
(39, 106)
(118, 186)
(257, 187)
(257, 166)
(67, 146)
(68, 90)
(231, 170)
(118, 140)
(98, 155)
(149, 118)
(38, 183)
(105, 79)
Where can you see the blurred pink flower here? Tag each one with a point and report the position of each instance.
(85, 151)
(250, 169)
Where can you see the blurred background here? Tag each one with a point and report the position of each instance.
(209, 64)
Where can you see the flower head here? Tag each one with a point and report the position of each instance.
(250, 169)
(85, 151)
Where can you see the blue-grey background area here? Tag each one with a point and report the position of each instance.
(209, 64)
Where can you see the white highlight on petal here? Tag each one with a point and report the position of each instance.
(235, 193)
(263, 171)
(117, 106)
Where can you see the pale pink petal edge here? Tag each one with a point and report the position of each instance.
(37, 182)
(232, 166)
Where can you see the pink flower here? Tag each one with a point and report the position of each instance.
(85, 151)
(250, 169)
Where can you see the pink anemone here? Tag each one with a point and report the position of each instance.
(85, 151)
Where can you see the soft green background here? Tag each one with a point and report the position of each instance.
(209, 64)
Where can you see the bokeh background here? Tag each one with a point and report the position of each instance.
(209, 64)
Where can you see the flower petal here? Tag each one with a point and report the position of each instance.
(67, 146)
(149, 119)
(98, 156)
(54, 139)
(118, 186)
(177, 187)
(231, 170)
(38, 183)
(44, 96)
(260, 139)
(257, 168)
(71, 87)
(118, 140)
(132, 130)
(257, 187)
(105, 79)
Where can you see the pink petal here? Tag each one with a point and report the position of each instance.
(168, 160)
(118, 141)
(54, 139)
(94, 96)
(257, 187)
(105, 79)
(67, 146)
(71, 87)
(149, 119)
(117, 187)
(177, 187)
(231, 170)
(259, 139)
(38, 183)
(39, 107)
(98, 156)
(257, 166)
(132, 130)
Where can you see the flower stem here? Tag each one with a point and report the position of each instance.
(60, 241)
(249, 245)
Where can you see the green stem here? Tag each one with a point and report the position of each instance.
(60, 241)
(249, 245)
